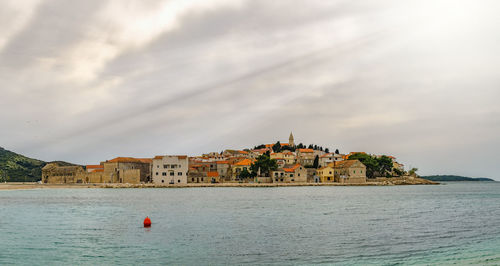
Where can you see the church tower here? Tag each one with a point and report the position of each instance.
(290, 140)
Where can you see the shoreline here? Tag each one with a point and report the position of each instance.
(388, 182)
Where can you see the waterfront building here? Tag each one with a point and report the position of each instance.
(127, 170)
(170, 169)
(223, 168)
(289, 174)
(238, 167)
(326, 174)
(349, 171)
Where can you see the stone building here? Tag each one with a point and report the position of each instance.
(349, 171)
(305, 156)
(289, 174)
(170, 169)
(326, 174)
(52, 173)
(128, 170)
(238, 167)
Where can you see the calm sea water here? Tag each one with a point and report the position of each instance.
(455, 223)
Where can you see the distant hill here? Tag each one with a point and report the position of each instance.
(454, 178)
(18, 168)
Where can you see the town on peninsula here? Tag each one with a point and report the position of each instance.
(278, 164)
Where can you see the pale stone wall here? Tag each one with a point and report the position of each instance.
(131, 176)
(170, 170)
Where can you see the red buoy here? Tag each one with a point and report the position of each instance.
(147, 222)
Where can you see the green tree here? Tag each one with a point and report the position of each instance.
(413, 171)
(277, 147)
(265, 164)
(337, 151)
(316, 162)
(384, 165)
(369, 161)
(327, 150)
(244, 174)
(398, 172)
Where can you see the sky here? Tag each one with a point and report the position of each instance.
(87, 81)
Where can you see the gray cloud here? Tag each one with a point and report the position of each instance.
(84, 83)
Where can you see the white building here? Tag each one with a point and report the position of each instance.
(170, 169)
(327, 158)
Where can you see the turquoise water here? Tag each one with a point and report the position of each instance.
(455, 223)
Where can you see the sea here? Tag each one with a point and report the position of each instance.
(455, 223)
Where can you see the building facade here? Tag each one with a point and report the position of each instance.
(170, 169)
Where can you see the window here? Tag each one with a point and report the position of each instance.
(171, 173)
(202, 179)
(328, 178)
(179, 173)
(163, 181)
(276, 174)
(173, 166)
(192, 179)
(276, 179)
(293, 180)
(156, 173)
(297, 175)
(282, 180)
(164, 174)
(354, 171)
(291, 175)
(165, 166)
(178, 180)
(157, 166)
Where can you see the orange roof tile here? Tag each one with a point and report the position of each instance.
(292, 169)
(94, 166)
(125, 160)
(244, 162)
(222, 162)
(98, 170)
(306, 150)
(212, 174)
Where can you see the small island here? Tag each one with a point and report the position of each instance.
(452, 178)
(265, 165)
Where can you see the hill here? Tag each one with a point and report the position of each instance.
(18, 168)
(454, 178)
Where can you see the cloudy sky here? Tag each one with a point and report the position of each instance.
(86, 81)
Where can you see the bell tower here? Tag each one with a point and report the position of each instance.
(290, 140)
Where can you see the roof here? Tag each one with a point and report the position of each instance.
(306, 150)
(127, 160)
(282, 144)
(243, 162)
(212, 174)
(178, 156)
(94, 166)
(292, 168)
(98, 170)
(344, 164)
(222, 162)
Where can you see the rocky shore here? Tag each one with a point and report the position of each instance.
(377, 182)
